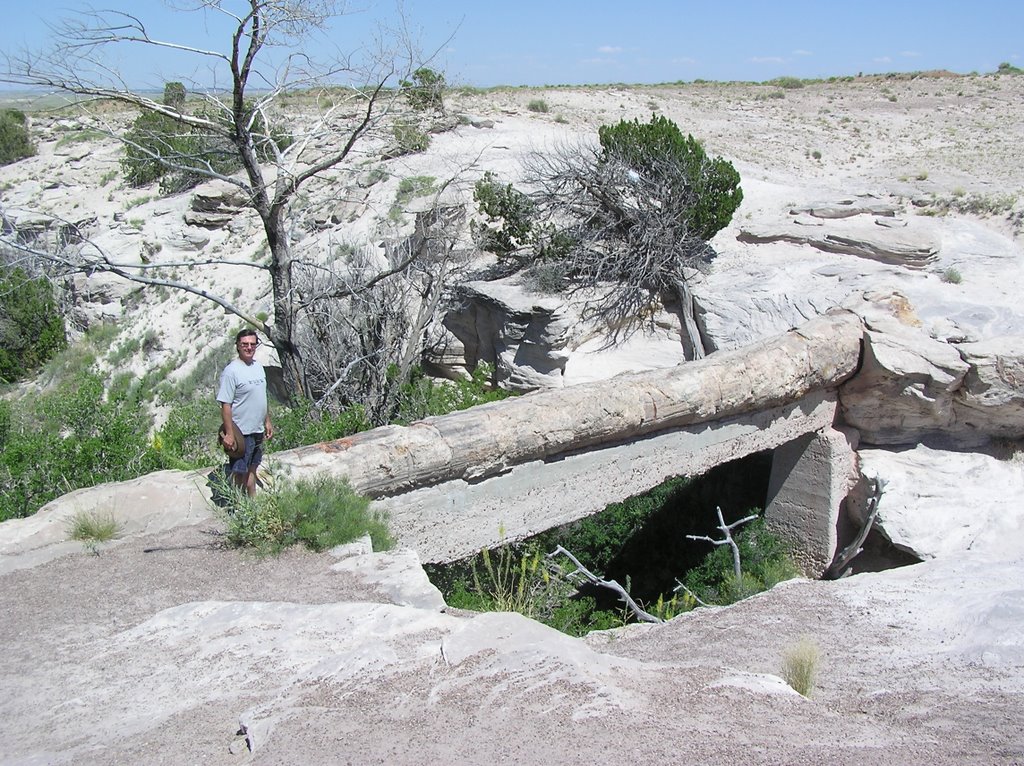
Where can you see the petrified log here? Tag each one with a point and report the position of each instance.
(490, 439)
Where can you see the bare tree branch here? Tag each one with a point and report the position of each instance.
(581, 572)
(726, 530)
(841, 566)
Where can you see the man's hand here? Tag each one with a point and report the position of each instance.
(268, 430)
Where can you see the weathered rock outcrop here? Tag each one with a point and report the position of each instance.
(543, 341)
(526, 336)
(939, 503)
(214, 204)
(904, 246)
(912, 388)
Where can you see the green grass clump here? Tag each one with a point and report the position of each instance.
(320, 513)
(93, 528)
(800, 666)
(408, 189)
(538, 105)
(952, 276)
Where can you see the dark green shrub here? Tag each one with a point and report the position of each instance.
(174, 95)
(709, 188)
(320, 513)
(31, 327)
(300, 424)
(426, 90)
(510, 216)
(422, 396)
(538, 105)
(519, 578)
(15, 142)
(765, 563)
(151, 142)
(788, 83)
(187, 438)
(179, 155)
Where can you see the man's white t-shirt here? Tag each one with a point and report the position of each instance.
(244, 387)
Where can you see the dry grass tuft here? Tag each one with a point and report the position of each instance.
(800, 666)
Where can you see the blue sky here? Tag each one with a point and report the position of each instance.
(528, 42)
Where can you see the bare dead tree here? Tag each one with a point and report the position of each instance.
(618, 229)
(263, 58)
(727, 539)
(366, 333)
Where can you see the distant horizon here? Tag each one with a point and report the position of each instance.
(15, 93)
(598, 42)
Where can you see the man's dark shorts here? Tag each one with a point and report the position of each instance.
(253, 455)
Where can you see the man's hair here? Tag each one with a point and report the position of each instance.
(245, 334)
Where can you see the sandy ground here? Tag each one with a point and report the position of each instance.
(913, 671)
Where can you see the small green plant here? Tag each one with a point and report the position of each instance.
(78, 137)
(109, 176)
(320, 513)
(513, 581)
(538, 105)
(93, 528)
(800, 666)
(922, 175)
(546, 277)
(409, 138)
(952, 276)
(138, 201)
(816, 154)
(408, 189)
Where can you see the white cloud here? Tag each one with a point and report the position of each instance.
(683, 60)
(910, 54)
(767, 59)
(610, 49)
(802, 52)
(882, 60)
(598, 62)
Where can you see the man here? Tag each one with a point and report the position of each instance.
(243, 400)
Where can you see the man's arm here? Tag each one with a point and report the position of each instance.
(225, 419)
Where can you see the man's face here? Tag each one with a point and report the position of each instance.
(247, 348)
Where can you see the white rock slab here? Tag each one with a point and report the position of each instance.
(939, 503)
